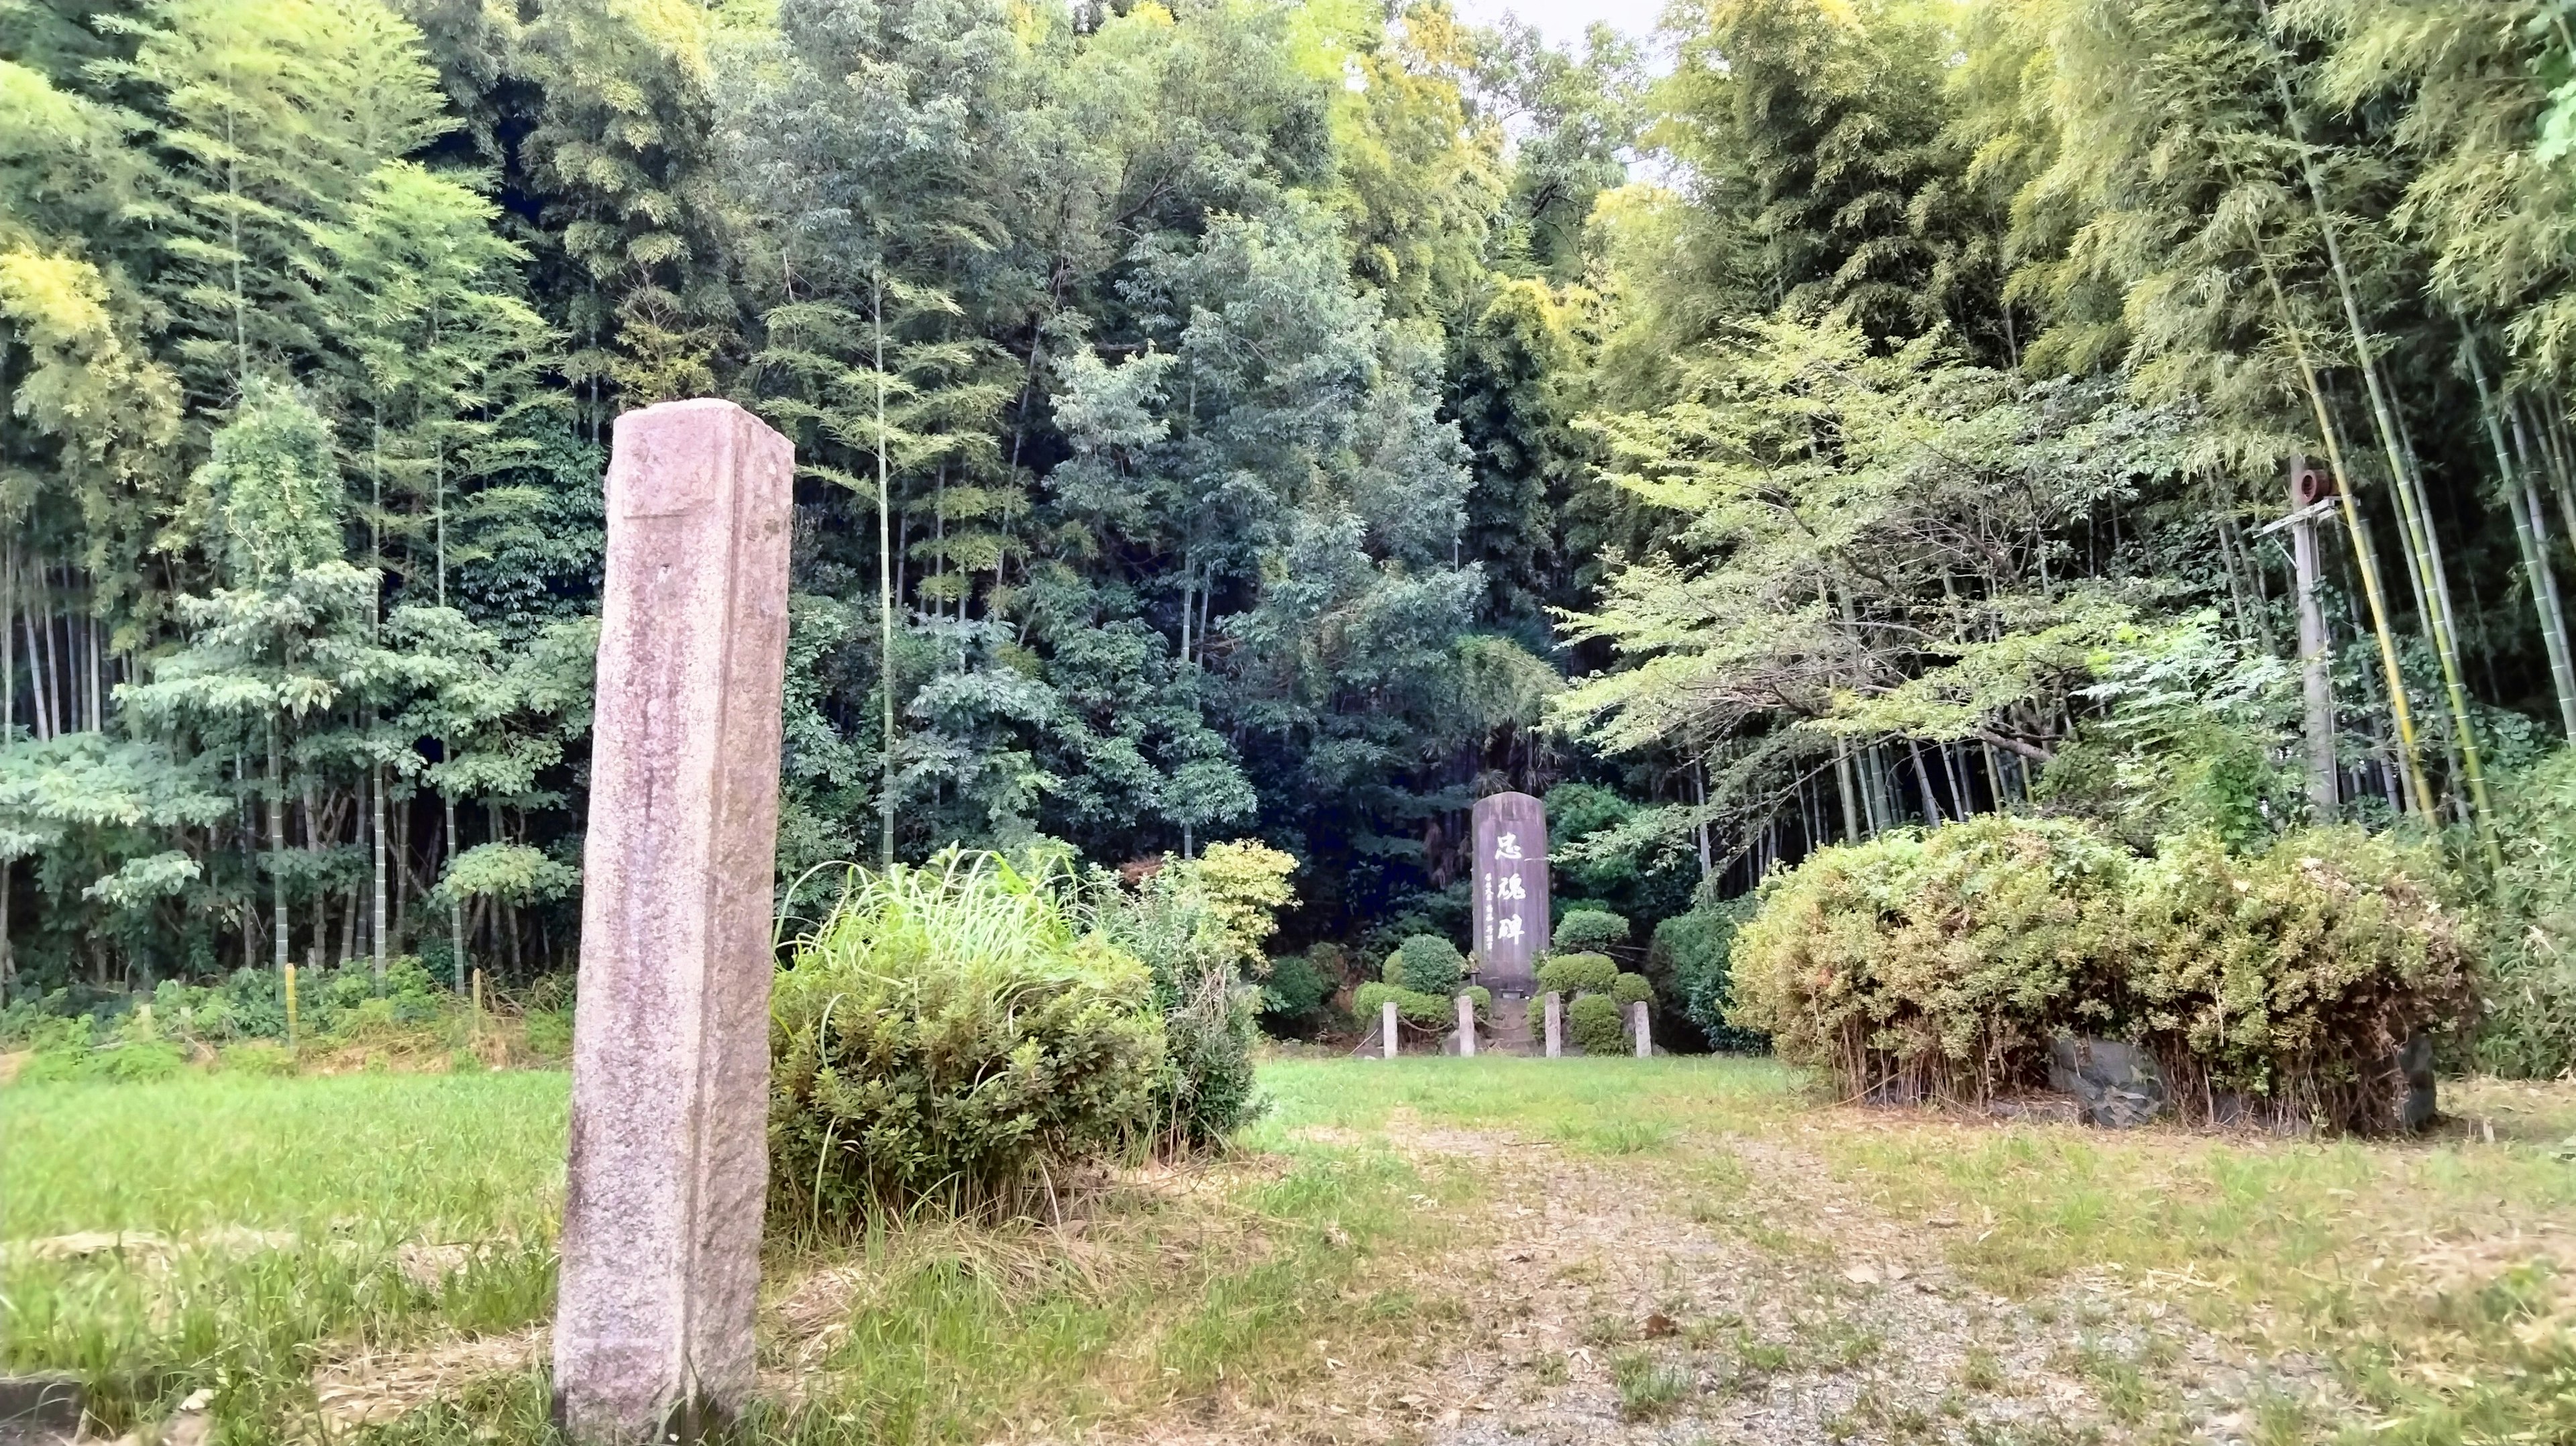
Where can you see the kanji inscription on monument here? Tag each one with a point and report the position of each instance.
(1511, 890)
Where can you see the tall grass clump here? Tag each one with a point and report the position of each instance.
(956, 1034)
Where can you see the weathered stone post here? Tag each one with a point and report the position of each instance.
(1466, 1026)
(669, 1160)
(1555, 1024)
(1637, 1027)
(1386, 1027)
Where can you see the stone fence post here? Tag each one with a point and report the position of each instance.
(669, 1169)
(1466, 1027)
(1386, 1027)
(1637, 1026)
(1555, 1024)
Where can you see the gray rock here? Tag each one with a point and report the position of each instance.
(2118, 1085)
(40, 1410)
(2416, 1105)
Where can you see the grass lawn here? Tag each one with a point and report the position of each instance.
(1452, 1250)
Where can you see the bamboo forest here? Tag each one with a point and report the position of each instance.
(1809, 425)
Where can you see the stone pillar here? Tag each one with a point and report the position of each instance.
(669, 1162)
(1386, 1027)
(1466, 1026)
(1555, 1024)
(1637, 1027)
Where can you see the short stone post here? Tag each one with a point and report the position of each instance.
(1466, 1026)
(1555, 1024)
(1637, 1027)
(669, 1162)
(1386, 1027)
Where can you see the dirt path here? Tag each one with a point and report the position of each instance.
(1740, 1296)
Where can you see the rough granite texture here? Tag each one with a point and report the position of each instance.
(1639, 1031)
(1555, 1024)
(669, 1158)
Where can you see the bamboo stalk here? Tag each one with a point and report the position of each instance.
(885, 578)
(2530, 534)
(2413, 528)
(8, 654)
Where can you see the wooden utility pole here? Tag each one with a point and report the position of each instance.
(2310, 491)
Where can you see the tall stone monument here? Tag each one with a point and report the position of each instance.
(669, 1161)
(1511, 891)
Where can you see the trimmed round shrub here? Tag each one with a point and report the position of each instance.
(1589, 931)
(1627, 989)
(949, 1034)
(1593, 1023)
(1427, 964)
(1576, 973)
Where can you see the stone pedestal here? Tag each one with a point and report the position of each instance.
(1386, 1027)
(1555, 1024)
(1637, 1027)
(1466, 1026)
(669, 1160)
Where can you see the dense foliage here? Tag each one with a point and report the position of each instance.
(1287, 419)
(1940, 963)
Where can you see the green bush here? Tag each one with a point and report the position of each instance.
(1589, 931)
(1198, 925)
(1937, 963)
(1594, 1024)
(1427, 964)
(1576, 973)
(1627, 989)
(949, 1033)
(1687, 961)
(1940, 963)
(1294, 994)
(2294, 976)
(2528, 1027)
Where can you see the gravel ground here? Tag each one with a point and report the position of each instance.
(1786, 1313)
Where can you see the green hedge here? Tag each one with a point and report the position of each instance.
(1939, 963)
(1430, 1011)
(1627, 989)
